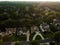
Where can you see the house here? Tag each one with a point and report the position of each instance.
(10, 30)
(44, 27)
(18, 30)
(34, 29)
(21, 30)
(57, 23)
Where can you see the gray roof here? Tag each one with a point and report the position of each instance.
(46, 40)
(6, 43)
(27, 43)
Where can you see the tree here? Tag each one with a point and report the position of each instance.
(1, 40)
(17, 43)
(9, 38)
(56, 37)
(3, 17)
(34, 43)
(53, 28)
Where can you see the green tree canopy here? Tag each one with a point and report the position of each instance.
(56, 36)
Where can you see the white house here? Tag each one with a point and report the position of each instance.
(44, 27)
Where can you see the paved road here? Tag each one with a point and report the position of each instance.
(28, 35)
(38, 33)
(42, 28)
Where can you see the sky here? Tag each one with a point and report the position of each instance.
(34, 0)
